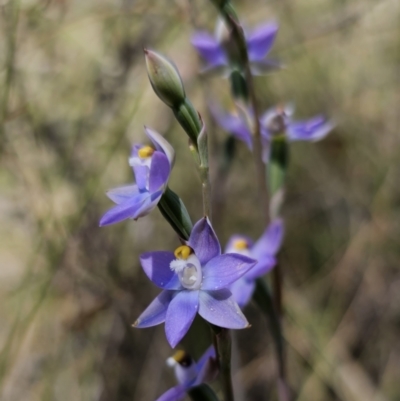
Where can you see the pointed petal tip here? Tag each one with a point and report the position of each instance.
(136, 323)
(172, 343)
(103, 222)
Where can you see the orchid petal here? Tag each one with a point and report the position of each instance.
(219, 308)
(161, 144)
(159, 171)
(156, 312)
(209, 48)
(141, 176)
(233, 124)
(148, 206)
(270, 241)
(262, 67)
(141, 171)
(180, 315)
(311, 130)
(156, 265)
(242, 290)
(126, 210)
(265, 264)
(222, 71)
(204, 241)
(173, 394)
(205, 366)
(261, 40)
(121, 194)
(223, 270)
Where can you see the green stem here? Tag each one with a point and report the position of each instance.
(263, 190)
(223, 344)
(237, 36)
(206, 190)
(225, 350)
(221, 337)
(202, 143)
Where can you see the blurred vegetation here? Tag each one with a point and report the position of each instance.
(74, 95)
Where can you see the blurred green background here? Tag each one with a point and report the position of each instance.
(74, 95)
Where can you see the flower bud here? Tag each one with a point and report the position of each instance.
(165, 79)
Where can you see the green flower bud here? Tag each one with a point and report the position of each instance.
(165, 79)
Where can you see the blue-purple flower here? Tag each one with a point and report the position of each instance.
(189, 374)
(259, 43)
(195, 279)
(275, 121)
(151, 167)
(264, 251)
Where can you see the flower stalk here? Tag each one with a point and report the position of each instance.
(167, 84)
(222, 339)
(221, 336)
(244, 90)
(202, 143)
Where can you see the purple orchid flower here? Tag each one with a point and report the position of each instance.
(275, 121)
(195, 278)
(152, 167)
(259, 43)
(189, 373)
(264, 251)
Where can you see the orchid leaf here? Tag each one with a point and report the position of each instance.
(174, 211)
(202, 393)
(278, 163)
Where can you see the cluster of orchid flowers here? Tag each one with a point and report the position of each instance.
(197, 277)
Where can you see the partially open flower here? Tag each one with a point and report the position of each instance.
(278, 121)
(264, 251)
(189, 374)
(274, 122)
(152, 166)
(195, 279)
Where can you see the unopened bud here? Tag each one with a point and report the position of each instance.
(165, 79)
